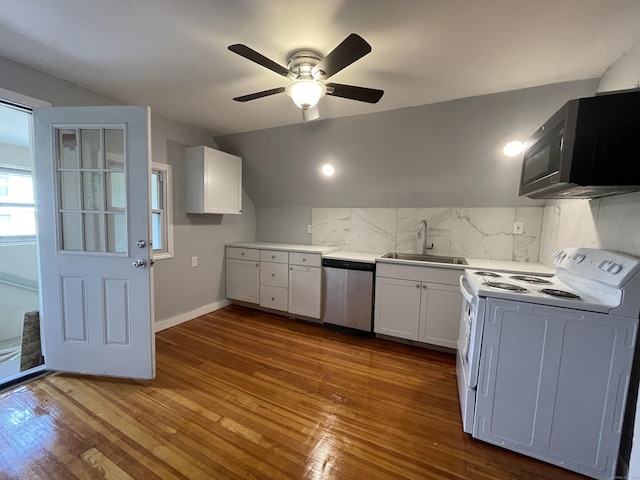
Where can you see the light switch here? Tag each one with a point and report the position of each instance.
(194, 261)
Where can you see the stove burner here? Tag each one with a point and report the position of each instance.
(560, 293)
(531, 279)
(482, 273)
(506, 286)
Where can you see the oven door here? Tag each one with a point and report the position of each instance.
(470, 335)
(468, 354)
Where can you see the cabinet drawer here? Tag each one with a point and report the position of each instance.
(243, 253)
(274, 274)
(276, 298)
(274, 256)
(306, 259)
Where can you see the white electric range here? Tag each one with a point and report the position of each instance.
(544, 362)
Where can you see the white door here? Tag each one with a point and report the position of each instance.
(92, 171)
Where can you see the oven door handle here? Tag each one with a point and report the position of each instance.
(472, 299)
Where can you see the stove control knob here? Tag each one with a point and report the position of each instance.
(578, 258)
(614, 268)
(604, 264)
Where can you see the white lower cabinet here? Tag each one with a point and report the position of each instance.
(412, 303)
(397, 310)
(276, 279)
(440, 307)
(243, 280)
(305, 290)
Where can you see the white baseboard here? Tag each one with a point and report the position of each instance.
(185, 317)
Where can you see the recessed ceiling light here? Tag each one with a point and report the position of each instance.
(514, 148)
(328, 169)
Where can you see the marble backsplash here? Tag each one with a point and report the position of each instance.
(612, 223)
(467, 232)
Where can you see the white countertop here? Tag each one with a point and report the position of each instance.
(290, 247)
(353, 256)
(335, 253)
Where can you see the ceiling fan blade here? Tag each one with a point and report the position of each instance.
(362, 94)
(264, 93)
(351, 49)
(251, 54)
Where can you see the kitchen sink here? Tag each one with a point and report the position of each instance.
(417, 257)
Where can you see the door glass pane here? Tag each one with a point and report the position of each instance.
(93, 191)
(68, 148)
(114, 143)
(117, 233)
(91, 148)
(71, 231)
(117, 194)
(93, 232)
(70, 190)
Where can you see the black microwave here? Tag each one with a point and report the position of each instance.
(589, 148)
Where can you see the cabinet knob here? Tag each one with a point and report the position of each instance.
(273, 256)
(304, 259)
(242, 254)
(273, 274)
(424, 287)
(290, 268)
(273, 299)
(417, 285)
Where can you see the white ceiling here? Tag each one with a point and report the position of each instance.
(172, 54)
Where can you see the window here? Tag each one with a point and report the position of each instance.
(17, 206)
(161, 211)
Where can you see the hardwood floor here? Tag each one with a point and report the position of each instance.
(245, 394)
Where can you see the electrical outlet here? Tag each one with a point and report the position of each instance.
(518, 228)
(308, 228)
(194, 261)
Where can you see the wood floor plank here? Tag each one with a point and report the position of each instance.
(245, 394)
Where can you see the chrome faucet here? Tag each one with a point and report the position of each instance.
(422, 233)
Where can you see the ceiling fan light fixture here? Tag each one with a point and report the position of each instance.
(305, 93)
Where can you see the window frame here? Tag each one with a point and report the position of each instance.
(14, 239)
(166, 210)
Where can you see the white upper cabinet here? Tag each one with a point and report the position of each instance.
(214, 181)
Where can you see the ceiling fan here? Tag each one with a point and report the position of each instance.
(307, 69)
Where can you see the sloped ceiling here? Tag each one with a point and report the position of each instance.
(172, 54)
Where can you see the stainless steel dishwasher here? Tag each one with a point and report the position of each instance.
(348, 296)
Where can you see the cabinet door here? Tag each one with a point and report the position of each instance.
(214, 181)
(397, 308)
(440, 314)
(305, 288)
(243, 280)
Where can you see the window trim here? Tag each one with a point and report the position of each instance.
(167, 219)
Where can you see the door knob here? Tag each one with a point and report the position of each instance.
(139, 263)
(141, 244)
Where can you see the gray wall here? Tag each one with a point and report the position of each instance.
(180, 289)
(442, 155)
